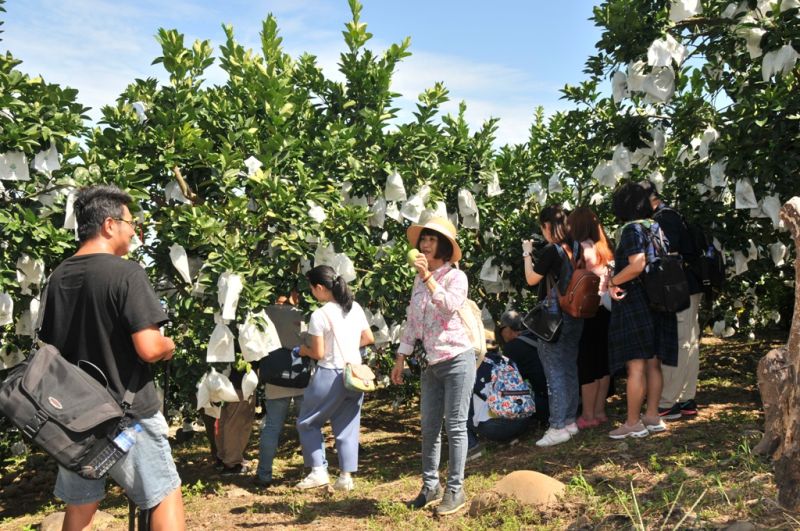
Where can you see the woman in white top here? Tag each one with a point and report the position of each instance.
(337, 330)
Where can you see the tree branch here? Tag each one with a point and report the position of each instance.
(191, 196)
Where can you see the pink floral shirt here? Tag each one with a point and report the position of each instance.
(433, 317)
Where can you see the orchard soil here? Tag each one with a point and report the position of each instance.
(700, 474)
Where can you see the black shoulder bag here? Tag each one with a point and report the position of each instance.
(63, 409)
(544, 320)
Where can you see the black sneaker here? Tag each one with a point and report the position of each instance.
(426, 498)
(688, 408)
(262, 483)
(670, 413)
(452, 502)
(234, 470)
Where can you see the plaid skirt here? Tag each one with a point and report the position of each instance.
(636, 332)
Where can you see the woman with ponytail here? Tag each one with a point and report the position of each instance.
(337, 330)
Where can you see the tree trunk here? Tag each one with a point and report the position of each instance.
(778, 382)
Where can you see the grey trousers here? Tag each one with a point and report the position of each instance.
(445, 395)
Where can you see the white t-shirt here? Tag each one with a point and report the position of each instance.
(344, 348)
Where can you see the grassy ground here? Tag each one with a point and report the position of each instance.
(701, 474)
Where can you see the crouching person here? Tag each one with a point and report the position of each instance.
(102, 309)
(502, 404)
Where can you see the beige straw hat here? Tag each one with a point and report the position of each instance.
(440, 225)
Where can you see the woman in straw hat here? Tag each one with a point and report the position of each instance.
(446, 383)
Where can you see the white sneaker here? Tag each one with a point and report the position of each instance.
(343, 483)
(315, 479)
(654, 425)
(554, 436)
(572, 429)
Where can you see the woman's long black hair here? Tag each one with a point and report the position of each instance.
(324, 275)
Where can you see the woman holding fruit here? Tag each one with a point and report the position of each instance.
(439, 291)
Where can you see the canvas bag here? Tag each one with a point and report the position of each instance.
(510, 395)
(470, 316)
(62, 408)
(581, 297)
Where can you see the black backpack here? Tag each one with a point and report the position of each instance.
(663, 277)
(709, 265)
(702, 259)
(280, 367)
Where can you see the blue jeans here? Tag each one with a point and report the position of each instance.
(446, 389)
(277, 410)
(560, 362)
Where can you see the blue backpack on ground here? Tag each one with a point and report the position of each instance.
(509, 395)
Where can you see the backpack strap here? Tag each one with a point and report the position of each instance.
(528, 340)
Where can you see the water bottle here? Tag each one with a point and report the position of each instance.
(108, 456)
(127, 438)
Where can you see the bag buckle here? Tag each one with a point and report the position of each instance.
(32, 429)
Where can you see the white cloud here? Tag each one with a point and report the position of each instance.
(99, 47)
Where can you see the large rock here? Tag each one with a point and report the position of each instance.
(102, 520)
(525, 486)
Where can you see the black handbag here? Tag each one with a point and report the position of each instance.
(280, 367)
(544, 320)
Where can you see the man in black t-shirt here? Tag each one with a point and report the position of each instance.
(101, 308)
(680, 383)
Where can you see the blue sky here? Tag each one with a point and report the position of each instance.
(503, 58)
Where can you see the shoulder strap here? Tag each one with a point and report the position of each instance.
(526, 339)
(127, 398)
(40, 316)
(333, 333)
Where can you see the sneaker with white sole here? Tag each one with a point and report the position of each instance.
(554, 436)
(343, 483)
(427, 498)
(637, 430)
(670, 413)
(451, 502)
(572, 429)
(317, 478)
(654, 425)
